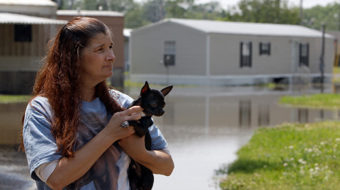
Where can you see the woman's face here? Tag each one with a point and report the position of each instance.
(96, 59)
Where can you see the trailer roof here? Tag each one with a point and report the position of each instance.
(10, 18)
(28, 2)
(243, 28)
(88, 13)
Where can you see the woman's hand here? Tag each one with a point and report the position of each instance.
(114, 126)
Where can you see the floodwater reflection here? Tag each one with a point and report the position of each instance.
(204, 128)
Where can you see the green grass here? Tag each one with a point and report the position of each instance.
(288, 157)
(326, 101)
(128, 83)
(131, 84)
(336, 79)
(14, 98)
(336, 70)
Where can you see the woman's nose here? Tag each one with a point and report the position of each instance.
(111, 56)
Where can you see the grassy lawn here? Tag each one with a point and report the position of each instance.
(131, 84)
(328, 101)
(336, 71)
(291, 156)
(14, 98)
(288, 157)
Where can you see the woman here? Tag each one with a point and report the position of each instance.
(72, 131)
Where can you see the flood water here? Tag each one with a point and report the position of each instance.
(204, 126)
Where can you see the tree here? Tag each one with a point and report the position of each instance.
(138, 14)
(122, 5)
(265, 11)
(208, 11)
(134, 17)
(89, 5)
(318, 15)
(189, 9)
(154, 10)
(176, 9)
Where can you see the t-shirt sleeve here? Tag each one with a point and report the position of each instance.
(39, 143)
(158, 140)
(122, 99)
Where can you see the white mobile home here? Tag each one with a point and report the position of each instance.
(182, 51)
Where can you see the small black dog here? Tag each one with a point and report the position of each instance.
(152, 102)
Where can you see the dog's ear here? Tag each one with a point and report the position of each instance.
(145, 88)
(166, 90)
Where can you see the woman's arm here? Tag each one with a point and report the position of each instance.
(158, 161)
(70, 169)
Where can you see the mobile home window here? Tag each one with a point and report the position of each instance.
(245, 54)
(304, 54)
(264, 48)
(22, 33)
(169, 57)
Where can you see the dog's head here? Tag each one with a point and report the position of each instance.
(152, 101)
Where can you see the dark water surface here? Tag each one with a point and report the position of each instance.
(204, 128)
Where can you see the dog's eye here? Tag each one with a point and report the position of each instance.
(153, 104)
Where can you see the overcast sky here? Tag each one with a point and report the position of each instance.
(306, 3)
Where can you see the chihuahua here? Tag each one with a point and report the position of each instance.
(152, 102)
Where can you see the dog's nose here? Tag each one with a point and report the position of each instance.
(160, 113)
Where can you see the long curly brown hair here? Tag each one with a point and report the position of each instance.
(59, 79)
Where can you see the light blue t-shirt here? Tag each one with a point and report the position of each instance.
(109, 172)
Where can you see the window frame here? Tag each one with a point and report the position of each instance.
(169, 53)
(246, 60)
(23, 33)
(264, 48)
(303, 59)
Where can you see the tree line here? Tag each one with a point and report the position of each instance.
(140, 13)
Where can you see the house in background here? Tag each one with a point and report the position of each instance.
(182, 51)
(25, 28)
(115, 21)
(127, 34)
(336, 35)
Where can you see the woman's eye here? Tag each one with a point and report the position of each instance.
(111, 47)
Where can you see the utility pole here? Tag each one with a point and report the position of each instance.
(322, 57)
(301, 12)
(70, 4)
(108, 4)
(278, 10)
(338, 16)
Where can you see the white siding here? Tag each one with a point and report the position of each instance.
(147, 50)
(225, 55)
